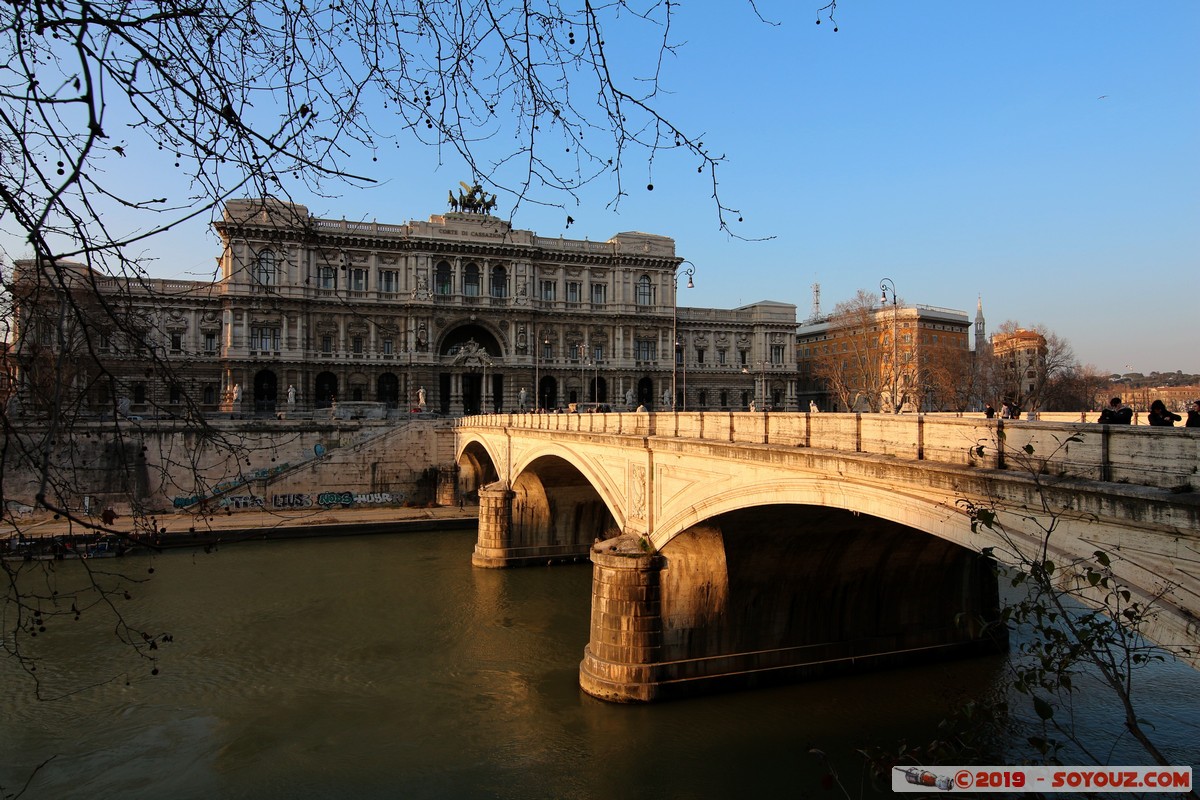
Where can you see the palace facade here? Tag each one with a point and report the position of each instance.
(458, 314)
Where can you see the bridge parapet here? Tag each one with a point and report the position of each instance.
(1164, 458)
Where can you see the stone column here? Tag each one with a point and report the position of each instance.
(620, 661)
(447, 485)
(495, 526)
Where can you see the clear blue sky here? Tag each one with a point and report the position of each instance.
(1042, 155)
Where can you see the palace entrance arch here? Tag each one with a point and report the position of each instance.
(470, 378)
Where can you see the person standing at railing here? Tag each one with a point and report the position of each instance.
(1160, 417)
(1116, 413)
(1193, 420)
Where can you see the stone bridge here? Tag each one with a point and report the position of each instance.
(735, 549)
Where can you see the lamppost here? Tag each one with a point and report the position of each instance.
(537, 379)
(884, 286)
(762, 392)
(689, 271)
(580, 354)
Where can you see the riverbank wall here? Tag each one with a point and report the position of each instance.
(226, 466)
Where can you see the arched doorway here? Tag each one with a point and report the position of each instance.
(387, 390)
(324, 390)
(265, 387)
(598, 390)
(548, 393)
(470, 356)
(645, 393)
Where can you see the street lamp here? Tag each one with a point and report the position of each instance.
(689, 271)
(884, 286)
(762, 396)
(580, 354)
(537, 380)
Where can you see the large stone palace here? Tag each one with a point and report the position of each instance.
(458, 314)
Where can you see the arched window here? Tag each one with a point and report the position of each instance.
(264, 268)
(645, 291)
(441, 279)
(471, 281)
(499, 286)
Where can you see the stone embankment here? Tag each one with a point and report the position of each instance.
(187, 530)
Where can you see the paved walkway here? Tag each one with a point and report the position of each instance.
(241, 521)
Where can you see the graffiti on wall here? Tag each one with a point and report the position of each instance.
(241, 501)
(336, 498)
(292, 501)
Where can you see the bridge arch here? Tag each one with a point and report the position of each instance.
(929, 516)
(548, 505)
(476, 467)
(772, 593)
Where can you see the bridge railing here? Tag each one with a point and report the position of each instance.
(1167, 458)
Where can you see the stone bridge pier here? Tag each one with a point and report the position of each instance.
(549, 515)
(749, 600)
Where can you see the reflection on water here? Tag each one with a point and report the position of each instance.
(384, 667)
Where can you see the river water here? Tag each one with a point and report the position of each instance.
(388, 667)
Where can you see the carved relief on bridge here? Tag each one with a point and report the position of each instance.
(637, 494)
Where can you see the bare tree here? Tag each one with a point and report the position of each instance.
(253, 97)
(851, 361)
(950, 375)
(1081, 388)
(264, 99)
(1027, 362)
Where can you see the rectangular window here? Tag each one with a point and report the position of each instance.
(358, 280)
(210, 342)
(776, 354)
(327, 278)
(574, 292)
(646, 350)
(599, 294)
(549, 290)
(699, 355)
(721, 361)
(389, 281)
(356, 345)
(175, 396)
(547, 351)
(598, 353)
(264, 338)
(327, 344)
(388, 347)
(176, 342)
